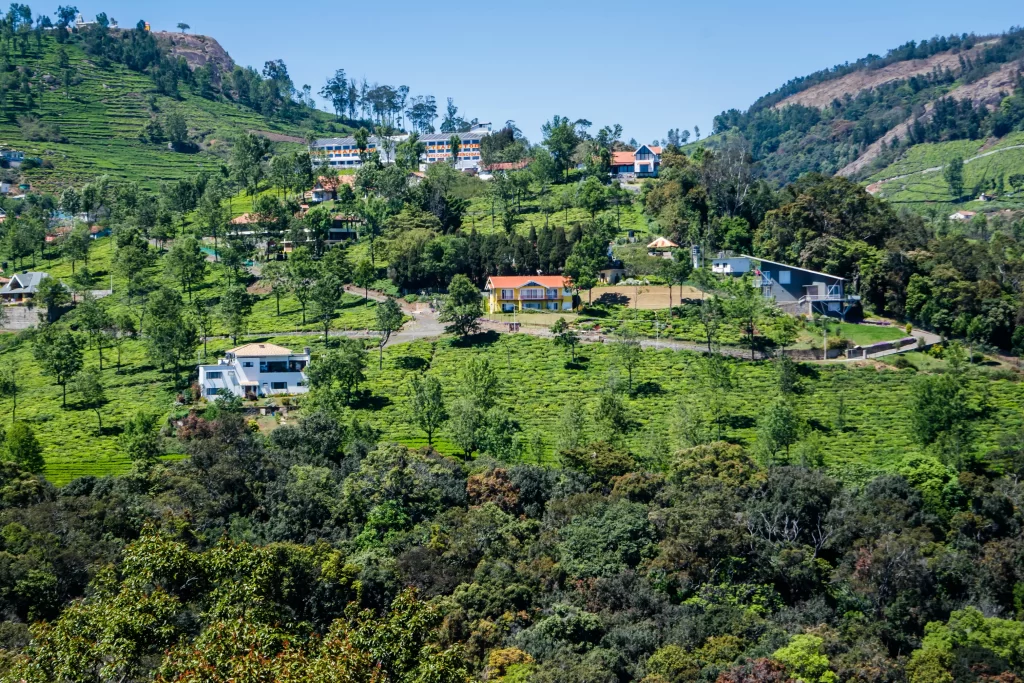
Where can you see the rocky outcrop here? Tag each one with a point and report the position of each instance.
(197, 50)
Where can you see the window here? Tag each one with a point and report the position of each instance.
(508, 294)
(552, 293)
(274, 366)
(508, 308)
(214, 374)
(833, 307)
(212, 391)
(247, 364)
(277, 386)
(534, 306)
(784, 277)
(552, 305)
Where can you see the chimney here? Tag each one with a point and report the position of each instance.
(306, 350)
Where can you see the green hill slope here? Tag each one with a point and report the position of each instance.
(990, 166)
(882, 117)
(102, 115)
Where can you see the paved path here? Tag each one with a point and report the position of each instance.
(877, 185)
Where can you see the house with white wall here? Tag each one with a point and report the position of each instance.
(253, 371)
(643, 162)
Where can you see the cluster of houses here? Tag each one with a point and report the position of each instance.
(344, 154)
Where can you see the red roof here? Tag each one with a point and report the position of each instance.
(654, 148)
(513, 281)
(329, 184)
(622, 158)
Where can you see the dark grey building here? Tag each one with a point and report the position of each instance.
(794, 289)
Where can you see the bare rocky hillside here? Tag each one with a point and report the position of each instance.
(197, 50)
(988, 91)
(821, 95)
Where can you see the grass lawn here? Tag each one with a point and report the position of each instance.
(861, 335)
(536, 386)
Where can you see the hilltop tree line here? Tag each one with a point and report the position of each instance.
(791, 140)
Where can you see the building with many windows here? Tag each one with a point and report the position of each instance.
(254, 370)
(508, 293)
(343, 153)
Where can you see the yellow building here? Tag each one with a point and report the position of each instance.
(508, 293)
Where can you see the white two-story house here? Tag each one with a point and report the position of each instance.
(256, 370)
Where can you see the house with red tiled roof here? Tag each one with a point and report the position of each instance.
(326, 187)
(508, 293)
(641, 163)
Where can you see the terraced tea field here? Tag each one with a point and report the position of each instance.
(107, 110)
(536, 386)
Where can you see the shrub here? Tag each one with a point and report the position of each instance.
(39, 131)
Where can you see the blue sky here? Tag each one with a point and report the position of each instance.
(648, 65)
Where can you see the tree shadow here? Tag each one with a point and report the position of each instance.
(365, 399)
(739, 422)
(578, 365)
(612, 299)
(807, 370)
(645, 389)
(355, 304)
(112, 430)
(487, 338)
(411, 363)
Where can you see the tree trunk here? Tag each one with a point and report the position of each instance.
(380, 364)
(64, 400)
(278, 304)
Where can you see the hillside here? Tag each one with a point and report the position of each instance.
(95, 124)
(859, 119)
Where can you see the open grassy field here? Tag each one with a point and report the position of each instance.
(107, 109)
(536, 386)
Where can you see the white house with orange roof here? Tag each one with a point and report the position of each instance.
(254, 370)
(640, 163)
(508, 293)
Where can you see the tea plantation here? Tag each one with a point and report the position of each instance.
(100, 118)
